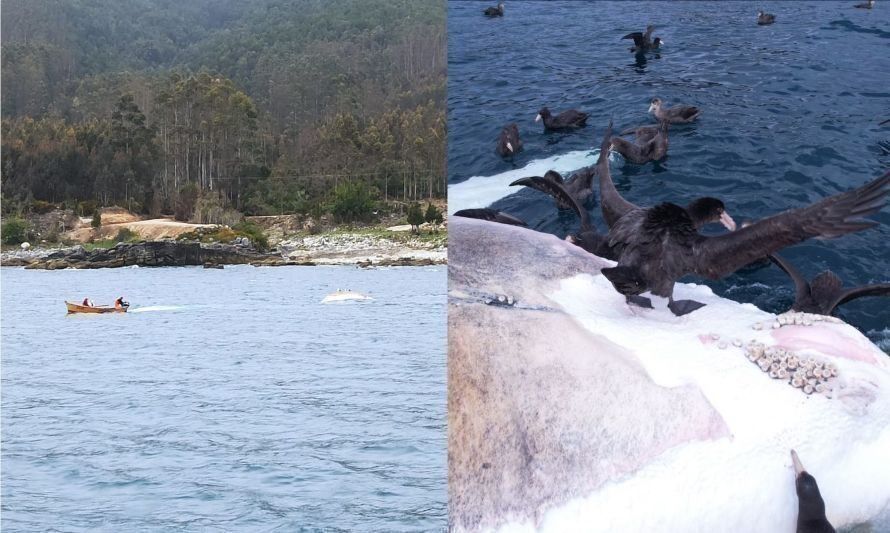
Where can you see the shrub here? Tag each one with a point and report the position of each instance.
(415, 217)
(97, 219)
(14, 231)
(126, 235)
(87, 208)
(352, 202)
(433, 216)
(254, 232)
(223, 234)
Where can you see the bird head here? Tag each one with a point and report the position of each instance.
(809, 498)
(655, 104)
(709, 210)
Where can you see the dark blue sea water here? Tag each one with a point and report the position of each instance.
(226, 400)
(791, 114)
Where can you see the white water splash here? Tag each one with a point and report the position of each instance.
(345, 296)
(482, 191)
(153, 308)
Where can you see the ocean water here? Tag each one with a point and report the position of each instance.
(791, 114)
(224, 400)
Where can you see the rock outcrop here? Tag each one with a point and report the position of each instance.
(148, 254)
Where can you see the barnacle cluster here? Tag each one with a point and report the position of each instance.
(793, 318)
(805, 373)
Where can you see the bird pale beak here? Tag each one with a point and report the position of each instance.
(510, 147)
(727, 221)
(798, 466)
(651, 108)
(538, 118)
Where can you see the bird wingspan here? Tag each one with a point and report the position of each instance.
(637, 36)
(557, 191)
(877, 289)
(715, 257)
(554, 176)
(490, 215)
(801, 286)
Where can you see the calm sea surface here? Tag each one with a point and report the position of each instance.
(224, 400)
(791, 113)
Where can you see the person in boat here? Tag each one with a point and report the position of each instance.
(120, 303)
(87, 302)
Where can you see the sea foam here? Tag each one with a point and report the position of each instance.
(482, 191)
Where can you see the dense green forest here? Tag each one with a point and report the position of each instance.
(266, 106)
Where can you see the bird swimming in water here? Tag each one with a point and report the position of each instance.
(490, 215)
(826, 291)
(764, 19)
(497, 11)
(643, 41)
(810, 505)
(867, 5)
(658, 245)
(569, 119)
(508, 142)
(650, 144)
(679, 114)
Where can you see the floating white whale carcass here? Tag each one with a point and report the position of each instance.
(571, 411)
(344, 296)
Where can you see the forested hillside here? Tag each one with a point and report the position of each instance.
(266, 106)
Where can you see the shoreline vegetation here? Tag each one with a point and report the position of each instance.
(277, 240)
(275, 131)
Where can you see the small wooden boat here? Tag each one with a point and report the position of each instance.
(77, 308)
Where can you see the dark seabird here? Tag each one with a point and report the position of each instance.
(764, 19)
(587, 237)
(642, 133)
(643, 41)
(649, 145)
(579, 185)
(508, 142)
(494, 11)
(810, 505)
(679, 114)
(867, 5)
(822, 295)
(566, 120)
(612, 204)
(657, 246)
(491, 215)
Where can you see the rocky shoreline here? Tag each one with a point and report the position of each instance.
(338, 249)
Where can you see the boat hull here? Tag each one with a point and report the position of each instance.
(97, 309)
